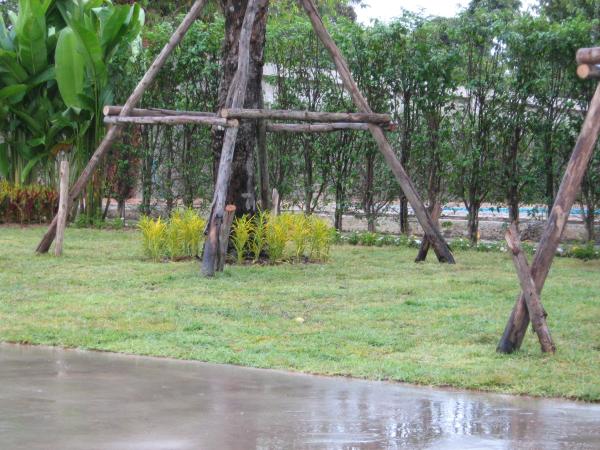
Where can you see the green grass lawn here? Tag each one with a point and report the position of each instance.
(370, 312)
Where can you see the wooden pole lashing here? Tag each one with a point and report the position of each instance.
(113, 132)
(518, 322)
(235, 99)
(63, 204)
(439, 244)
(532, 299)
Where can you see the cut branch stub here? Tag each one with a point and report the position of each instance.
(588, 71)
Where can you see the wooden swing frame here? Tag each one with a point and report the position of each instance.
(229, 117)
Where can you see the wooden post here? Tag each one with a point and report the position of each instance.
(532, 299)
(263, 161)
(584, 148)
(275, 203)
(113, 132)
(235, 99)
(63, 204)
(436, 212)
(224, 236)
(439, 244)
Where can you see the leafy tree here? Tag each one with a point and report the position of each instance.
(476, 145)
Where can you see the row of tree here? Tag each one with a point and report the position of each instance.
(487, 103)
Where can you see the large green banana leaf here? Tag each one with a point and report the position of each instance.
(31, 32)
(70, 68)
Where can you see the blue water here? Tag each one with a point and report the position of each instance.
(524, 212)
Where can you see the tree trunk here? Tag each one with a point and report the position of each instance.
(263, 163)
(339, 206)
(368, 197)
(242, 186)
(308, 177)
(590, 218)
(513, 177)
(549, 169)
(473, 221)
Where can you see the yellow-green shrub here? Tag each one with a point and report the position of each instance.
(193, 227)
(179, 236)
(259, 234)
(278, 228)
(320, 238)
(153, 236)
(174, 236)
(299, 234)
(242, 228)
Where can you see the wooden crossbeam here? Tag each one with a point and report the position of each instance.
(532, 298)
(304, 116)
(588, 55)
(315, 127)
(154, 112)
(171, 120)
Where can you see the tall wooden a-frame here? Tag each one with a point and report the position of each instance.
(233, 112)
(528, 307)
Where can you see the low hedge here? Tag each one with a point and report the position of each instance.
(27, 204)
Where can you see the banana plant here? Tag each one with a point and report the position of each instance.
(31, 112)
(94, 31)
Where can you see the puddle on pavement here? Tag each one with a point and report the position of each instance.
(56, 399)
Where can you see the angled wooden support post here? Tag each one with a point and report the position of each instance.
(439, 244)
(435, 212)
(235, 99)
(584, 148)
(532, 299)
(113, 131)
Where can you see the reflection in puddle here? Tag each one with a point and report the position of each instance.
(69, 400)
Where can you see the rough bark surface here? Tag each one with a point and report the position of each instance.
(242, 185)
(519, 319)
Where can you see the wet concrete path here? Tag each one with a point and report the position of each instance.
(56, 399)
